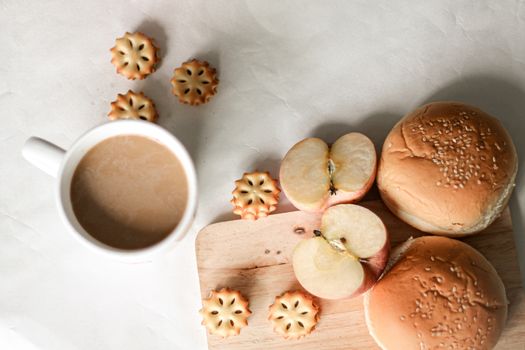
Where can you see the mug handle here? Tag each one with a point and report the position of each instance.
(43, 154)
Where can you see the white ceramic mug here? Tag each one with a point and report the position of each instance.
(62, 164)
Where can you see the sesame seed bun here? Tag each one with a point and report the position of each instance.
(438, 293)
(447, 168)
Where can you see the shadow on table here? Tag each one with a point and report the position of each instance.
(269, 162)
(506, 101)
(376, 126)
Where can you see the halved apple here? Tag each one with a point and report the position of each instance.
(315, 176)
(347, 255)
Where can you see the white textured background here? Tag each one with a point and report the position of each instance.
(287, 70)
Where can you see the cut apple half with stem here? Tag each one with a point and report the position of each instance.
(315, 176)
(346, 256)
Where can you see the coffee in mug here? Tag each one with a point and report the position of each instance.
(129, 192)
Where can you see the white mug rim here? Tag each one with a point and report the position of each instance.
(130, 255)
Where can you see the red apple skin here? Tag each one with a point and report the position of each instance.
(374, 267)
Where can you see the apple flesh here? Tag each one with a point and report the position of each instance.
(347, 255)
(315, 176)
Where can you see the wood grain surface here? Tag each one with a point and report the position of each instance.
(254, 257)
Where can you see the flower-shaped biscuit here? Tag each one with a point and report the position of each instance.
(293, 315)
(134, 55)
(133, 106)
(195, 82)
(225, 312)
(255, 195)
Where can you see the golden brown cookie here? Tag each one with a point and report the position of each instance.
(293, 315)
(256, 195)
(195, 82)
(225, 312)
(134, 55)
(133, 106)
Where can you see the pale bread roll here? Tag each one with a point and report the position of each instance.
(439, 293)
(447, 168)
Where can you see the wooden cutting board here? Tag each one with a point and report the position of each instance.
(254, 258)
